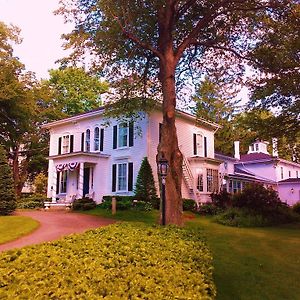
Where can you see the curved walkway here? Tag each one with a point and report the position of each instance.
(54, 225)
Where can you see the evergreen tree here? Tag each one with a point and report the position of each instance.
(7, 191)
(145, 188)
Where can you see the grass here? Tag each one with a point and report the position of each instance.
(249, 263)
(13, 227)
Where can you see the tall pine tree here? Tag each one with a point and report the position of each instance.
(7, 191)
(145, 187)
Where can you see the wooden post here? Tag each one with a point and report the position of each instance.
(113, 205)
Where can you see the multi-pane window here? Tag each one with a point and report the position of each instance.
(122, 177)
(96, 139)
(63, 176)
(290, 174)
(200, 183)
(88, 140)
(235, 186)
(123, 135)
(65, 144)
(212, 180)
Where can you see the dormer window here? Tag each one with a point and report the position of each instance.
(256, 147)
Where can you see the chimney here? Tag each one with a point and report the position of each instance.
(275, 147)
(237, 150)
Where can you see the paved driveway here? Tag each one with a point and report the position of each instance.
(54, 225)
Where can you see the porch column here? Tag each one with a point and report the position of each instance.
(53, 186)
(80, 180)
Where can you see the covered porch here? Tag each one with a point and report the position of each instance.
(71, 176)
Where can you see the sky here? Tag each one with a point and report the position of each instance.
(40, 30)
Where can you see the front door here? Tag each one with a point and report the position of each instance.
(86, 181)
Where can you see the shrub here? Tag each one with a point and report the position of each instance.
(142, 206)
(209, 209)
(241, 218)
(40, 183)
(145, 187)
(84, 204)
(221, 199)
(257, 198)
(123, 202)
(7, 191)
(189, 205)
(32, 201)
(296, 208)
(122, 261)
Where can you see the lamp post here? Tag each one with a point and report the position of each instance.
(163, 171)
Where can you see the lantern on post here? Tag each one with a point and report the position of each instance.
(163, 167)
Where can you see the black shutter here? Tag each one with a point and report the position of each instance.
(114, 177)
(131, 134)
(115, 133)
(59, 145)
(160, 131)
(205, 146)
(101, 138)
(195, 143)
(71, 143)
(82, 141)
(130, 176)
(57, 182)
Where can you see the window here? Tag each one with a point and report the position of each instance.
(281, 172)
(198, 144)
(65, 144)
(122, 177)
(235, 186)
(212, 180)
(225, 165)
(256, 147)
(63, 176)
(123, 135)
(96, 139)
(200, 183)
(88, 140)
(290, 174)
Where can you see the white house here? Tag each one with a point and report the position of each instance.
(90, 158)
(259, 166)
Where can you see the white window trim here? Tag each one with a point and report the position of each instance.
(60, 182)
(118, 135)
(94, 139)
(65, 135)
(117, 178)
(85, 140)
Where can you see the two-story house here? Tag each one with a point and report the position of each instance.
(89, 157)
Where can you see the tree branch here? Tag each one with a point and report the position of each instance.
(136, 40)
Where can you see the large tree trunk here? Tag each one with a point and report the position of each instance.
(168, 147)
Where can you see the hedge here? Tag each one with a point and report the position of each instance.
(121, 261)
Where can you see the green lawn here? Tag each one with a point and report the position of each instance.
(13, 227)
(252, 263)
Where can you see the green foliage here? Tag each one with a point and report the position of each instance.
(221, 199)
(142, 206)
(74, 91)
(257, 198)
(84, 204)
(32, 201)
(145, 187)
(209, 209)
(189, 204)
(7, 191)
(296, 207)
(40, 183)
(121, 261)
